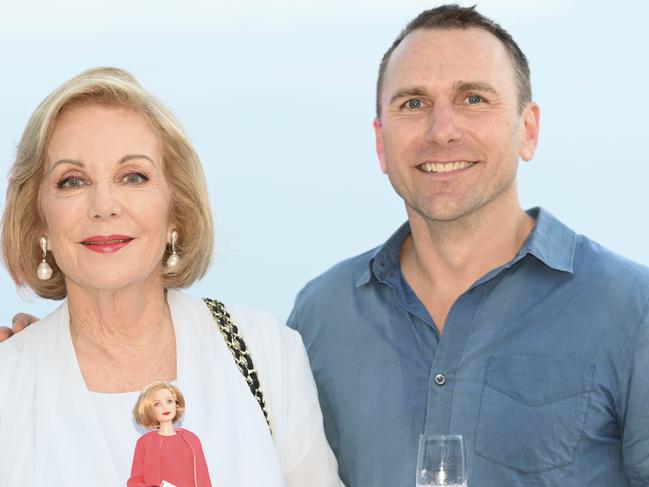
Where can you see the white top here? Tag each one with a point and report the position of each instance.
(53, 431)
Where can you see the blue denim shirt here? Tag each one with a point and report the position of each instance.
(543, 366)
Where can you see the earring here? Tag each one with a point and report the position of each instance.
(174, 258)
(44, 270)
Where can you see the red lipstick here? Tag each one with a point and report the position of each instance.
(106, 244)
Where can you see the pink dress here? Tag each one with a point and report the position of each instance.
(177, 459)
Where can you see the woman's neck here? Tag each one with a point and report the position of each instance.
(124, 339)
(117, 318)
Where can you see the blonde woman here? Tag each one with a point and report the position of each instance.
(107, 210)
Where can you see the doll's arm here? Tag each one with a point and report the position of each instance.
(137, 469)
(202, 472)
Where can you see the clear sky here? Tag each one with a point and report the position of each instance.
(278, 98)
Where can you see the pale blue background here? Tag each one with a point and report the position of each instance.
(278, 97)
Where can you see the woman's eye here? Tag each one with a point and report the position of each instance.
(156, 404)
(70, 182)
(170, 401)
(135, 178)
(414, 104)
(474, 99)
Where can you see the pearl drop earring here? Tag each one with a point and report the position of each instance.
(44, 271)
(174, 258)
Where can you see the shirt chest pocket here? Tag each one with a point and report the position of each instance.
(532, 411)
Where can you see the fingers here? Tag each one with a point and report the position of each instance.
(21, 321)
(5, 333)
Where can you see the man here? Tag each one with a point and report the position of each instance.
(476, 317)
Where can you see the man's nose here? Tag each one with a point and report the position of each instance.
(443, 125)
(104, 201)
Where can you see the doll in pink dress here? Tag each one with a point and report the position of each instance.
(166, 454)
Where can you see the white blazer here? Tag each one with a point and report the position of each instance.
(50, 433)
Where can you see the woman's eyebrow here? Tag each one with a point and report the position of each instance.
(126, 158)
(130, 157)
(66, 161)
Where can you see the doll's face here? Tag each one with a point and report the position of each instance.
(164, 406)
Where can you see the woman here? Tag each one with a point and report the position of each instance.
(166, 454)
(107, 209)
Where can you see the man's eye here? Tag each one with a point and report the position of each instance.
(414, 104)
(135, 178)
(474, 99)
(70, 182)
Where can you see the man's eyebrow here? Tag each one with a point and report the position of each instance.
(410, 91)
(460, 86)
(123, 160)
(474, 86)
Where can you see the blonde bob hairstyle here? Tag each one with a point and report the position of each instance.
(23, 224)
(143, 410)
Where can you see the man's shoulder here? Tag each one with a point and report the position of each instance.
(614, 287)
(328, 299)
(593, 260)
(340, 277)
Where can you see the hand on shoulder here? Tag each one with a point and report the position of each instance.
(19, 322)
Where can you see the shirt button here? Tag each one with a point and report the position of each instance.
(440, 379)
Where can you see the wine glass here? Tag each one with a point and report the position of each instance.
(441, 461)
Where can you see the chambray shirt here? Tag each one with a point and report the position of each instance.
(543, 366)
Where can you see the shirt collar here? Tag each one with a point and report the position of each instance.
(550, 241)
(385, 258)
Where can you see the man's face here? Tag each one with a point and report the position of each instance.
(451, 130)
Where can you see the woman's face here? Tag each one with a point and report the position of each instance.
(105, 199)
(164, 406)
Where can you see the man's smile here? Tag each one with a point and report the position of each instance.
(444, 167)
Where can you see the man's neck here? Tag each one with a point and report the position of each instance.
(441, 260)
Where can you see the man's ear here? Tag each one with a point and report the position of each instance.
(531, 127)
(380, 148)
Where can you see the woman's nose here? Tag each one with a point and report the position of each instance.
(104, 201)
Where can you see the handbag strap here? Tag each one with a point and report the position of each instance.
(237, 346)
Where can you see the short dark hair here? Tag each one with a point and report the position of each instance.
(455, 17)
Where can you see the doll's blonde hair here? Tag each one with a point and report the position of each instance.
(143, 410)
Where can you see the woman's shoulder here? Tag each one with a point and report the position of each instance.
(29, 340)
(256, 325)
(264, 333)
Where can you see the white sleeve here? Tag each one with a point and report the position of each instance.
(16, 413)
(306, 456)
(292, 400)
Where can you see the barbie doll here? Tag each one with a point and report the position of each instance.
(166, 454)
